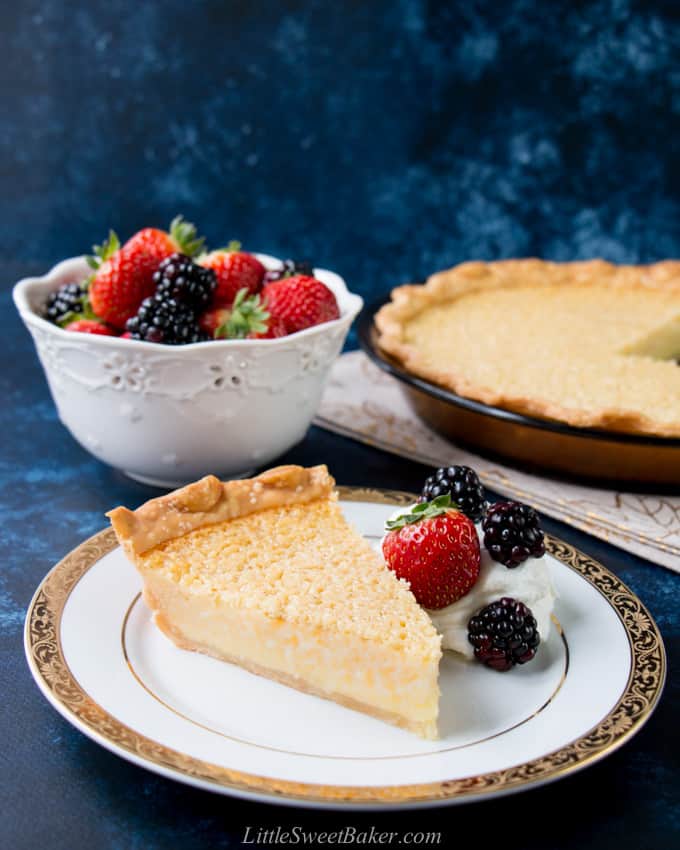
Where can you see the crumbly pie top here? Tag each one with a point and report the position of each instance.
(588, 343)
(277, 543)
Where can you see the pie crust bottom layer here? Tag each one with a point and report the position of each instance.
(344, 669)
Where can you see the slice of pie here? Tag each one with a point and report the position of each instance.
(266, 573)
(589, 343)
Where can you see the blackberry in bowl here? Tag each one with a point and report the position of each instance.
(66, 304)
(184, 281)
(165, 320)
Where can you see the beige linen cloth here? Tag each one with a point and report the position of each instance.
(362, 402)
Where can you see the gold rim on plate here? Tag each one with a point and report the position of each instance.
(638, 700)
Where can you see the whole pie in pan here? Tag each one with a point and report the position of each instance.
(588, 343)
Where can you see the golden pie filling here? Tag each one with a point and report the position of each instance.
(285, 587)
(589, 349)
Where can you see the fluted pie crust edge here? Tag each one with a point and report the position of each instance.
(409, 300)
(209, 501)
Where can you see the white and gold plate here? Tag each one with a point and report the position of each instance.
(100, 661)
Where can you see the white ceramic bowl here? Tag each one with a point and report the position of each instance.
(166, 415)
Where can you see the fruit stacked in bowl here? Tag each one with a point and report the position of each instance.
(164, 287)
(168, 361)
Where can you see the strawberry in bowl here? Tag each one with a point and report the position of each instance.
(300, 302)
(161, 370)
(124, 276)
(234, 270)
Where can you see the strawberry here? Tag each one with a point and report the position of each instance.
(300, 302)
(435, 548)
(123, 277)
(246, 319)
(181, 238)
(89, 326)
(235, 270)
(212, 320)
(275, 329)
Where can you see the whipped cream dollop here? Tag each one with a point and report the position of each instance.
(529, 583)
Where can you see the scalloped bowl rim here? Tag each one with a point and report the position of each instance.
(350, 305)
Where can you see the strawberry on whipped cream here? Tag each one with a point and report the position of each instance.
(529, 583)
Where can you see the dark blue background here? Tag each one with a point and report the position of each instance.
(383, 139)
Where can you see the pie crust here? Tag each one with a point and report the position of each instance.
(409, 301)
(210, 501)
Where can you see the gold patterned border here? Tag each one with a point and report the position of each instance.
(642, 692)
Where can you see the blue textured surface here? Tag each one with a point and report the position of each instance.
(383, 139)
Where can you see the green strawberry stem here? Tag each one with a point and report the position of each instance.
(102, 253)
(424, 510)
(231, 247)
(248, 315)
(184, 234)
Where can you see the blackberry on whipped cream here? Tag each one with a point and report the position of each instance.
(529, 583)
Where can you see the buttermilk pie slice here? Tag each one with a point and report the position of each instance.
(266, 573)
(589, 343)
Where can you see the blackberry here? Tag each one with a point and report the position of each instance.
(166, 320)
(504, 634)
(462, 484)
(512, 533)
(180, 279)
(288, 269)
(66, 304)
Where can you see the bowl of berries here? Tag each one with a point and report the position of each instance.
(168, 361)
